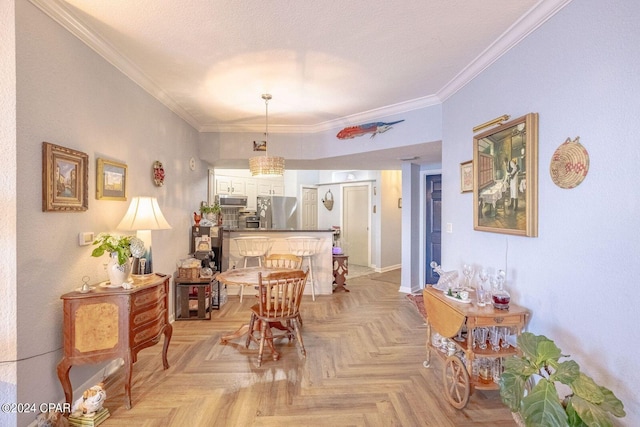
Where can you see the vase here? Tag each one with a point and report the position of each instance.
(118, 274)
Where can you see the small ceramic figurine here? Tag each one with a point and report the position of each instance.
(90, 402)
(197, 218)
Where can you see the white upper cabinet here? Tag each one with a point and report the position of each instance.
(271, 187)
(249, 186)
(231, 185)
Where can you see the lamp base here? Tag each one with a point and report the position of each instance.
(147, 267)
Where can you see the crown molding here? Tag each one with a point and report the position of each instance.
(370, 115)
(61, 14)
(524, 26)
(538, 15)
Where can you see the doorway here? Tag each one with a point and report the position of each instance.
(433, 225)
(309, 208)
(355, 223)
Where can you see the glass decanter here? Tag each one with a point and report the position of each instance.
(447, 279)
(499, 295)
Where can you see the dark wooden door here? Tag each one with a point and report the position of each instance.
(433, 227)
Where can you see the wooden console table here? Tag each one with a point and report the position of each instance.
(108, 323)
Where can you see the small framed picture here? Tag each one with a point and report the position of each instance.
(64, 179)
(203, 244)
(111, 180)
(466, 176)
(259, 145)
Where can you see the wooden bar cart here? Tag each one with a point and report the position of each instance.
(448, 317)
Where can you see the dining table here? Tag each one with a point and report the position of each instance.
(248, 276)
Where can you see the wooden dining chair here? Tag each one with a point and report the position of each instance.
(288, 261)
(280, 294)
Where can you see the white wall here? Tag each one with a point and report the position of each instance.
(579, 71)
(70, 96)
(8, 185)
(390, 220)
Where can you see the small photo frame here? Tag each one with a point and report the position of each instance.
(259, 145)
(466, 176)
(64, 179)
(203, 244)
(111, 180)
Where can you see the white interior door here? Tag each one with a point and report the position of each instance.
(309, 208)
(355, 223)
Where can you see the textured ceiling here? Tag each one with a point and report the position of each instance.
(327, 63)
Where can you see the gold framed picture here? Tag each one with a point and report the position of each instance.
(466, 176)
(505, 179)
(64, 179)
(111, 180)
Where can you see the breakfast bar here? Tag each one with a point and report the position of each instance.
(322, 260)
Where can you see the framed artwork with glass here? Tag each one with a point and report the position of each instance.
(64, 179)
(505, 178)
(111, 180)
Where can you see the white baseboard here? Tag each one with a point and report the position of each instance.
(385, 269)
(404, 290)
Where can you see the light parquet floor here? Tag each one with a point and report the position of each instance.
(363, 367)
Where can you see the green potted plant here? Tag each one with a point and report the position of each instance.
(117, 246)
(211, 212)
(586, 404)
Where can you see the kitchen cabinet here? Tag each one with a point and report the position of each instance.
(271, 187)
(231, 185)
(250, 187)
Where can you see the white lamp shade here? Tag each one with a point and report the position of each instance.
(144, 214)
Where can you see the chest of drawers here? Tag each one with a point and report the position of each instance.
(107, 323)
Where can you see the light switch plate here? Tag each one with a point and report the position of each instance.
(85, 238)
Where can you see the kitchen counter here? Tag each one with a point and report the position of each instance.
(274, 230)
(322, 261)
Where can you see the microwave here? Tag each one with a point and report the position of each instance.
(231, 201)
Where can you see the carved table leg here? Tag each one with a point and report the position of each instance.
(242, 330)
(63, 375)
(168, 331)
(128, 366)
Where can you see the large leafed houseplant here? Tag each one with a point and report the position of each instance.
(586, 404)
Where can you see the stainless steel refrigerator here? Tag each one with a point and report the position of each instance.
(278, 212)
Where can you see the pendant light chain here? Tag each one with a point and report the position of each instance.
(265, 165)
(266, 98)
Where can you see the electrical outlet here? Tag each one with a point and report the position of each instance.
(85, 238)
(449, 227)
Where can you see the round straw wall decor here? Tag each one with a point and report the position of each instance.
(569, 164)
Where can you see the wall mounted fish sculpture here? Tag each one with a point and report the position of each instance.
(372, 128)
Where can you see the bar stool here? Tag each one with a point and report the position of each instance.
(305, 247)
(252, 247)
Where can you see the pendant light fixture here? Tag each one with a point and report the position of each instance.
(266, 165)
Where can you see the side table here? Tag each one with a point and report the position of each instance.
(340, 270)
(204, 288)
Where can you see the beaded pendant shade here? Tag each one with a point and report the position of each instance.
(266, 165)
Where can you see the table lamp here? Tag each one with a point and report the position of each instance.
(143, 216)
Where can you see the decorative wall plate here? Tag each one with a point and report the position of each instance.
(158, 173)
(569, 164)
